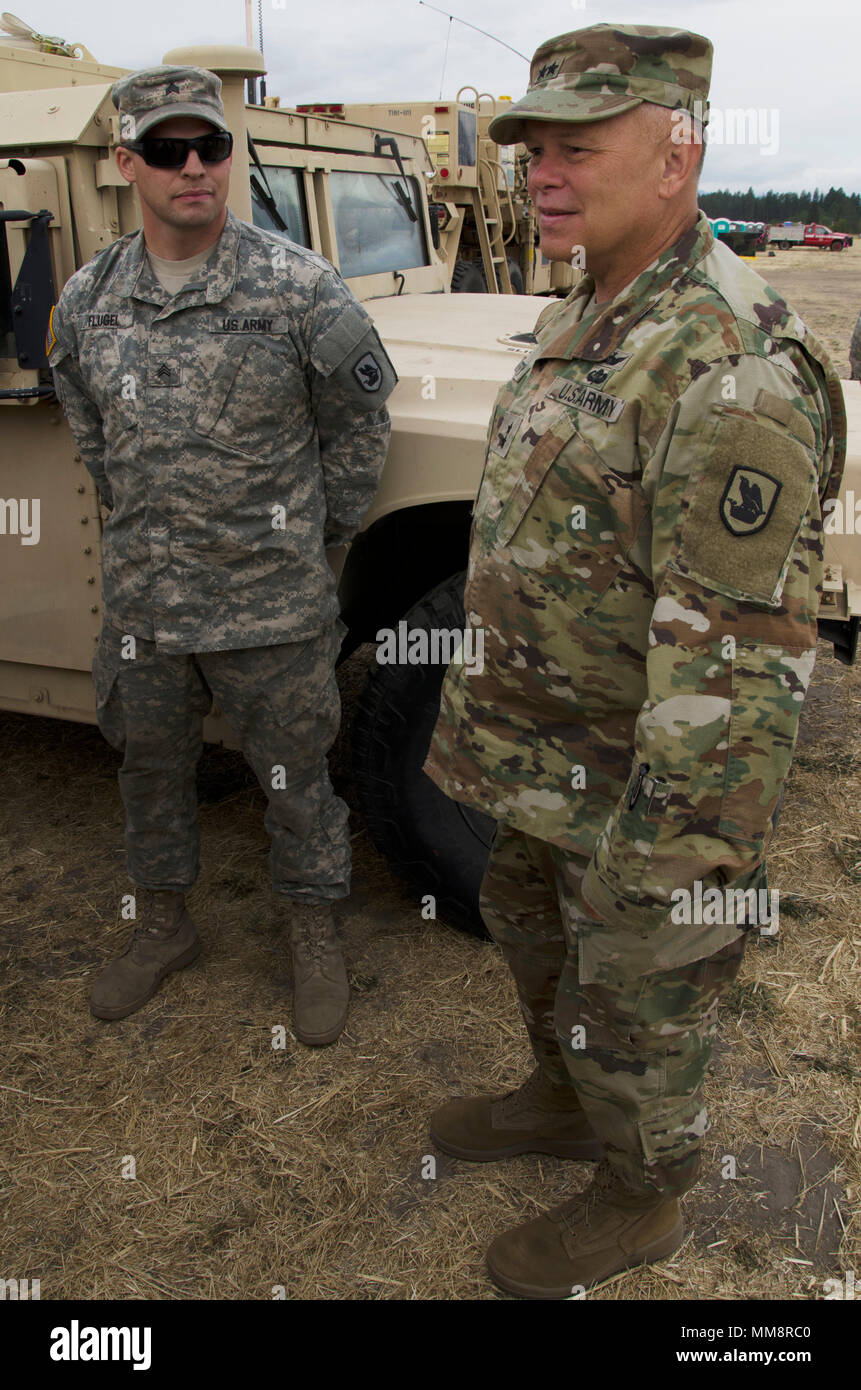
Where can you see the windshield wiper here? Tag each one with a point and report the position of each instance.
(400, 193)
(264, 192)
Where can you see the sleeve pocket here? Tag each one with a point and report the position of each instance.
(744, 510)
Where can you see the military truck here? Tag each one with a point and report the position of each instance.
(359, 196)
(488, 229)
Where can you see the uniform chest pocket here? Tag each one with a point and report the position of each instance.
(570, 522)
(255, 397)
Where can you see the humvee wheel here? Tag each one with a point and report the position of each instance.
(468, 278)
(438, 846)
(516, 275)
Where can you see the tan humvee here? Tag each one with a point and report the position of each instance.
(488, 228)
(360, 198)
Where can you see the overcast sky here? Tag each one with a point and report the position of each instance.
(796, 58)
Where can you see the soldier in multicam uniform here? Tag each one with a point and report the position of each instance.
(645, 565)
(855, 351)
(227, 392)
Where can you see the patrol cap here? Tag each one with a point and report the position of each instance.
(156, 94)
(607, 69)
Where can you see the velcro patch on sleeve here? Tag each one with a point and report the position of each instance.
(747, 508)
(351, 327)
(777, 408)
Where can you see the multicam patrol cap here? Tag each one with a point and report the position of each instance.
(607, 69)
(156, 94)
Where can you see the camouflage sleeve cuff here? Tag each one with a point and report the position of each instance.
(84, 420)
(351, 474)
(615, 910)
(635, 940)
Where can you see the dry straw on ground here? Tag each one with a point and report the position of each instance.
(258, 1167)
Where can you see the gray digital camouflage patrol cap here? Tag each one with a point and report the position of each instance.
(156, 94)
(607, 69)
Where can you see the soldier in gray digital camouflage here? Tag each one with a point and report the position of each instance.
(645, 564)
(227, 392)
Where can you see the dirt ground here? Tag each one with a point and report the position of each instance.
(259, 1169)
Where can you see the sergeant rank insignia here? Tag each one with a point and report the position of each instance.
(165, 375)
(748, 501)
(368, 372)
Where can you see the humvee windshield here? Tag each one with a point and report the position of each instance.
(286, 185)
(372, 225)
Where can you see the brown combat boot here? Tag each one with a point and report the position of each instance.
(165, 939)
(536, 1118)
(321, 991)
(603, 1230)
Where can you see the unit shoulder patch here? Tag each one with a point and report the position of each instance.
(748, 500)
(368, 372)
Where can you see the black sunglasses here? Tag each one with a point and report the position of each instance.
(171, 152)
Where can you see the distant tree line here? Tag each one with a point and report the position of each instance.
(835, 209)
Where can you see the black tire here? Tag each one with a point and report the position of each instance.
(468, 278)
(516, 277)
(436, 845)
(837, 246)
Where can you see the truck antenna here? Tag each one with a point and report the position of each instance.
(260, 36)
(450, 17)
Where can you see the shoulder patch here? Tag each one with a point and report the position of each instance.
(368, 372)
(748, 501)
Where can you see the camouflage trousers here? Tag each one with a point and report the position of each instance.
(634, 1048)
(282, 703)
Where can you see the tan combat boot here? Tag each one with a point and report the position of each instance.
(165, 939)
(321, 991)
(537, 1118)
(603, 1230)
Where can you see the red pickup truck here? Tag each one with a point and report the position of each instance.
(789, 234)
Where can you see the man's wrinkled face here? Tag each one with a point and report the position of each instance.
(594, 183)
(193, 196)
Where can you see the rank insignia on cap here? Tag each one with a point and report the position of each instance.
(748, 501)
(368, 372)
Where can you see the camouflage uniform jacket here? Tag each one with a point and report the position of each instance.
(235, 430)
(644, 564)
(855, 351)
